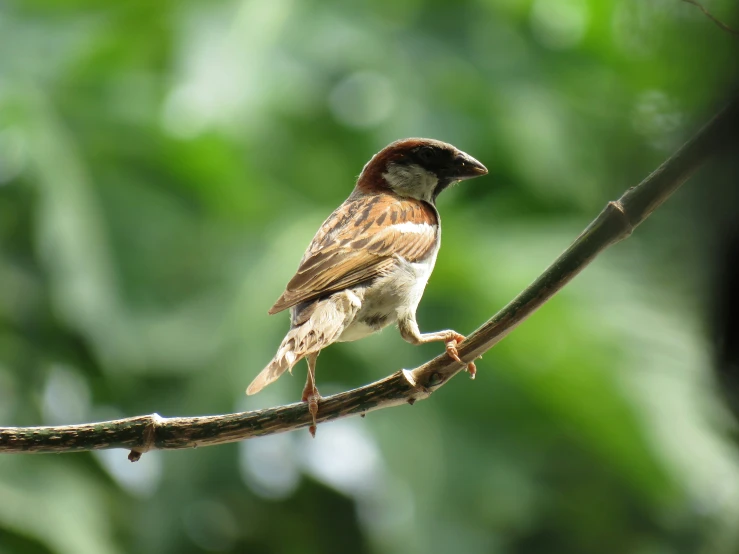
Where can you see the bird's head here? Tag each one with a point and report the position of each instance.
(418, 168)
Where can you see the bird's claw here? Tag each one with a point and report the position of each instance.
(312, 397)
(451, 350)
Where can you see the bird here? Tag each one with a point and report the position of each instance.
(368, 264)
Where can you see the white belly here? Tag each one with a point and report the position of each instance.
(389, 298)
(357, 330)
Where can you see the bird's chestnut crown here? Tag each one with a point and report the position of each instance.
(419, 168)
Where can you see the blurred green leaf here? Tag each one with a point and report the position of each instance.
(162, 167)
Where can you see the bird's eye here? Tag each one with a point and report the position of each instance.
(426, 154)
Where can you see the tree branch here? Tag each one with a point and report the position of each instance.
(616, 222)
(710, 16)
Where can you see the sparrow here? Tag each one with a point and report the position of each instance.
(368, 265)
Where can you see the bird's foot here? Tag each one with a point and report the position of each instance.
(451, 350)
(311, 396)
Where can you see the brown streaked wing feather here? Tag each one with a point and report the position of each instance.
(357, 243)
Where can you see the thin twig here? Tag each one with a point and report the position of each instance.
(616, 222)
(710, 16)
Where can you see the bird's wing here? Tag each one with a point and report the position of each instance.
(359, 241)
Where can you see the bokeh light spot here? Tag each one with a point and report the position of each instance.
(140, 479)
(268, 466)
(559, 24)
(656, 117)
(66, 397)
(362, 100)
(346, 458)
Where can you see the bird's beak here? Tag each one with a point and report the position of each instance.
(467, 167)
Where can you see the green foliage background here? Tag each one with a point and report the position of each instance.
(163, 166)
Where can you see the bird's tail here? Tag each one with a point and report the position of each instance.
(310, 336)
(321, 326)
(284, 360)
